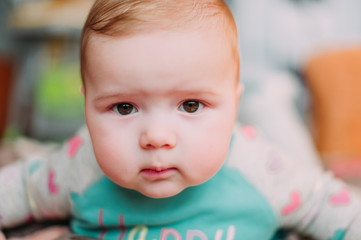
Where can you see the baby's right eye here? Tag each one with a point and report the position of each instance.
(124, 108)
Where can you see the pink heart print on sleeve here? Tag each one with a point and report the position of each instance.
(52, 186)
(249, 131)
(74, 144)
(340, 198)
(293, 204)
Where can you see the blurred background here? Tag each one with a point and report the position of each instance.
(301, 62)
(39, 67)
(301, 70)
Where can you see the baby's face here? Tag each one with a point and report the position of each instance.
(160, 108)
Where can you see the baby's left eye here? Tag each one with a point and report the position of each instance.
(124, 108)
(191, 106)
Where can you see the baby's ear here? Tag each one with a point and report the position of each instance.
(239, 91)
(82, 90)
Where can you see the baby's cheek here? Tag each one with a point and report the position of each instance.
(105, 151)
(116, 162)
(209, 161)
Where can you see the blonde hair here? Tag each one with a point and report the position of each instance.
(117, 18)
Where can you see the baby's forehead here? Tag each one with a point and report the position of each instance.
(190, 40)
(181, 57)
(118, 19)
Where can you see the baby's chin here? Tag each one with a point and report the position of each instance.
(166, 189)
(160, 193)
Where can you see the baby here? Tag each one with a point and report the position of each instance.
(161, 157)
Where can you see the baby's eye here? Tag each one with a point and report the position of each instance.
(124, 108)
(191, 106)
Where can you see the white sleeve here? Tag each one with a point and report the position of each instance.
(301, 193)
(38, 187)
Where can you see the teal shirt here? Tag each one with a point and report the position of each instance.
(226, 207)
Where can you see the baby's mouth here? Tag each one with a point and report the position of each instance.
(157, 173)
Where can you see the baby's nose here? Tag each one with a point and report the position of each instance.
(157, 137)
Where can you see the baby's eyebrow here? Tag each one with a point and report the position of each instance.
(115, 95)
(197, 95)
(195, 92)
(140, 93)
